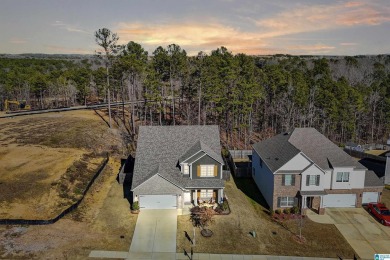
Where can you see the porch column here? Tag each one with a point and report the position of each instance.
(195, 197)
(220, 195)
(322, 202)
(303, 206)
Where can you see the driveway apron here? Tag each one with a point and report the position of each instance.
(366, 236)
(155, 231)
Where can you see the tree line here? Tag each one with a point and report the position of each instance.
(249, 97)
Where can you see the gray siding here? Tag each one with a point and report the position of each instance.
(157, 186)
(263, 178)
(202, 161)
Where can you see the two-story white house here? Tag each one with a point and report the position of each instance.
(304, 168)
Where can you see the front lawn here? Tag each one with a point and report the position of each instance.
(248, 213)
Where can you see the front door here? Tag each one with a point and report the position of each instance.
(309, 202)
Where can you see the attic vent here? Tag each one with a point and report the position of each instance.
(286, 133)
(276, 158)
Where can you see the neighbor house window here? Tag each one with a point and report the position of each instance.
(342, 177)
(205, 194)
(207, 171)
(286, 201)
(186, 169)
(312, 180)
(288, 180)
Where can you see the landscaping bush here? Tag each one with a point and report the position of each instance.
(278, 211)
(224, 205)
(135, 205)
(286, 211)
(294, 210)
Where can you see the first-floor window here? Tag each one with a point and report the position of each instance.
(286, 201)
(207, 171)
(206, 194)
(342, 177)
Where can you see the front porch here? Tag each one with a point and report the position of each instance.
(312, 200)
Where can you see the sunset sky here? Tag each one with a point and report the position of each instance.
(321, 27)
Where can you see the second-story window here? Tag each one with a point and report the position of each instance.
(288, 180)
(342, 177)
(312, 180)
(207, 171)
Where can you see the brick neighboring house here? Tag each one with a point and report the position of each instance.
(304, 168)
(177, 165)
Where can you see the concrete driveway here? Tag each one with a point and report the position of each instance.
(359, 228)
(155, 231)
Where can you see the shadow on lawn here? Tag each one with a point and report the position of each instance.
(249, 188)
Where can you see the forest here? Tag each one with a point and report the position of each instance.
(250, 97)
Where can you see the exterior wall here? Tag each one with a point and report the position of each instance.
(284, 191)
(312, 170)
(298, 163)
(202, 161)
(387, 170)
(263, 178)
(356, 178)
(156, 185)
(327, 179)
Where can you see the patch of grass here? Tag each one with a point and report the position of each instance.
(249, 213)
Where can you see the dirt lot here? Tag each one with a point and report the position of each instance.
(102, 222)
(248, 212)
(47, 160)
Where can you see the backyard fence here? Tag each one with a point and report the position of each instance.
(64, 213)
(240, 162)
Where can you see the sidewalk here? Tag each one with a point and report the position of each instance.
(196, 256)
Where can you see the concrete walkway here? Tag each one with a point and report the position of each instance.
(365, 235)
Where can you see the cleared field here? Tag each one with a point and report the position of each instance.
(102, 222)
(47, 160)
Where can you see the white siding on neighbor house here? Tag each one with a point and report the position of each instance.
(312, 170)
(298, 163)
(263, 178)
(327, 179)
(356, 178)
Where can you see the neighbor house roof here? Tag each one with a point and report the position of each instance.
(372, 180)
(160, 148)
(280, 149)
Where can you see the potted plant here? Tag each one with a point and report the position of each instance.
(135, 207)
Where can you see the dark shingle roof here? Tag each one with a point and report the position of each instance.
(372, 180)
(162, 146)
(197, 147)
(320, 149)
(280, 149)
(276, 151)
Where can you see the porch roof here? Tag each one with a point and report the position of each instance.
(313, 193)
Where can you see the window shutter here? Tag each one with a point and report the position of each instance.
(279, 202)
(295, 201)
(215, 170)
(198, 170)
(318, 180)
(283, 180)
(292, 180)
(307, 180)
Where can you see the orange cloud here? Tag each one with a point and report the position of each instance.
(324, 17)
(348, 43)
(17, 41)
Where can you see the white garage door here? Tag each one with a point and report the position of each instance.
(157, 201)
(370, 197)
(339, 201)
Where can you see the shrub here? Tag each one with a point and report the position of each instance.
(224, 205)
(135, 205)
(286, 211)
(294, 210)
(278, 211)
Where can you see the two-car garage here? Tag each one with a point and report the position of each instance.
(158, 201)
